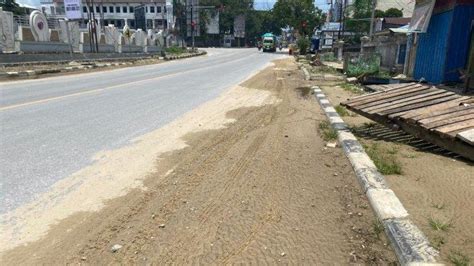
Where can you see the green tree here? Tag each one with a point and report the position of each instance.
(379, 13)
(393, 13)
(361, 13)
(301, 15)
(12, 6)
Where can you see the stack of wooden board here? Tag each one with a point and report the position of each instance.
(438, 116)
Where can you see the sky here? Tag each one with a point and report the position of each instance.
(259, 4)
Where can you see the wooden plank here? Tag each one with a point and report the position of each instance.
(385, 96)
(405, 85)
(456, 126)
(446, 122)
(460, 112)
(454, 145)
(418, 105)
(400, 97)
(428, 110)
(467, 136)
(372, 96)
(409, 102)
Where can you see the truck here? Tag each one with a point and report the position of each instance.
(269, 42)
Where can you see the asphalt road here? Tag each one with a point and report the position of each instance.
(51, 128)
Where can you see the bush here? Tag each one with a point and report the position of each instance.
(303, 45)
(175, 50)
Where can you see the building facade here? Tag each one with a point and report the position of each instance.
(151, 14)
(443, 51)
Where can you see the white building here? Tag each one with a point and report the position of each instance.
(158, 13)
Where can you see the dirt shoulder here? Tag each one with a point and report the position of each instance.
(264, 189)
(436, 189)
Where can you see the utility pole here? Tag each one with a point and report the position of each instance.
(192, 24)
(371, 31)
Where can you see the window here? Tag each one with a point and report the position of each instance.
(84, 9)
(146, 9)
(97, 9)
(131, 9)
(111, 9)
(152, 9)
(164, 9)
(124, 9)
(104, 9)
(158, 9)
(117, 9)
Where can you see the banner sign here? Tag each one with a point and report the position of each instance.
(213, 25)
(73, 9)
(239, 26)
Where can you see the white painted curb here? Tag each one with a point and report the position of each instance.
(409, 243)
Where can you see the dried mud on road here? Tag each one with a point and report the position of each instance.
(262, 190)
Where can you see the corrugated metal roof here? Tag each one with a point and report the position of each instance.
(406, 6)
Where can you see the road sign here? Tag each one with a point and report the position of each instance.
(73, 9)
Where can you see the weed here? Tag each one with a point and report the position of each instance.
(378, 228)
(439, 206)
(328, 133)
(458, 259)
(384, 160)
(352, 88)
(438, 241)
(409, 156)
(328, 57)
(341, 110)
(438, 225)
(304, 91)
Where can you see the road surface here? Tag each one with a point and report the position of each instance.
(51, 128)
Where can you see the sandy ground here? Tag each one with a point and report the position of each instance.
(244, 178)
(431, 187)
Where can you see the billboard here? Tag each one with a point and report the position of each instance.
(239, 26)
(213, 24)
(73, 9)
(140, 20)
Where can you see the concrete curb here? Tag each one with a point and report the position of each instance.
(307, 76)
(409, 243)
(176, 57)
(36, 73)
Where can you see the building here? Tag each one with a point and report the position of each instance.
(388, 23)
(335, 13)
(440, 53)
(157, 13)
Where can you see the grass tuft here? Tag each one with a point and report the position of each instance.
(438, 241)
(458, 259)
(439, 206)
(327, 132)
(384, 159)
(438, 225)
(378, 228)
(351, 88)
(341, 110)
